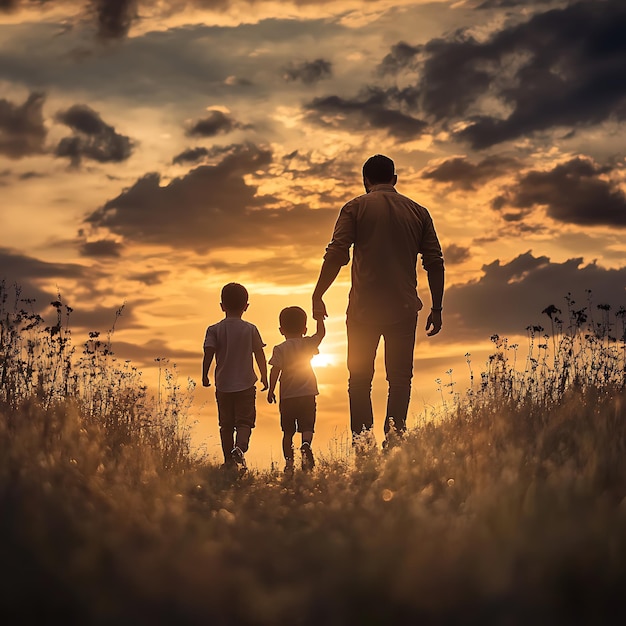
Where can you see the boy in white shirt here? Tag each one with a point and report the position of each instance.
(233, 342)
(291, 362)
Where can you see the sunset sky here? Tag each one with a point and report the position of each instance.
(152, 151)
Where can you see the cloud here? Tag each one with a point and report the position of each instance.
(574, 192)
(402, 57)
(144, 355)
(374, 108)
(560, 68)
(215, 123)
(308, 72)
(114, 17)
(92, 138)
(212, 206)
(454, 254)
(27, 273)
(102, 248)
(509, 297)
(22, 129)
(190, 155)
(467, 175)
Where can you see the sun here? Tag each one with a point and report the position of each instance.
(322, 360)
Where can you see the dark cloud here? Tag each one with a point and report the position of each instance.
(308, 72)
(574, 192)
(114, 17)
(559, 68)
(102, 248)
(510, 4)
(144, 355)
(373, 108)
(467, 175)
(454, 254)
(402, 57)
(22, 129)
(190, 155)
(215, 123)
(92, 138)
(210, 207)
(27, 272)
(509, 297)
(154, 277)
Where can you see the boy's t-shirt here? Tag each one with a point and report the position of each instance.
(234, 341)
(293, 357)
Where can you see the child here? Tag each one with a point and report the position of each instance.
(291, 361)
(233, 342)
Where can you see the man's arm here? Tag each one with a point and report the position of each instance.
(209, 353)
(328, 273)
(274, 373)
(259, 355)
(337, 255)
(436, 286)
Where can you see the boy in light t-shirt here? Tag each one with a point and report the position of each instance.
(233, 342)
(291, 362)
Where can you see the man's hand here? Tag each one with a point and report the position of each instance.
(271, 397)
(264, 383)
(319, 309)
(434, 321)
(205, 381)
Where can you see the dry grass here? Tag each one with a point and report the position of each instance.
(509, 509)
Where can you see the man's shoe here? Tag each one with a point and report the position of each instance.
(238, 458)
(308, 462)
(288, 466)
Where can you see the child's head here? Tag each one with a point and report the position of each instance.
(292, 321)
(234, 298)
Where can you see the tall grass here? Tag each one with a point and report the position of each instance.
(42, 370)
(508, 509)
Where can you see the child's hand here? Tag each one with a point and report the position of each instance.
(264, 383)
(205, 381)
(271, 397)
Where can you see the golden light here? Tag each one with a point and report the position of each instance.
(322, 360)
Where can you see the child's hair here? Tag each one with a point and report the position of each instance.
(234, 297)
(293, 319)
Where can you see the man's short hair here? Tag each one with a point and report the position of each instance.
(293, 319)
(234, 297)
(379, 169)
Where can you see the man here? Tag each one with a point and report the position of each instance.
(388, 231)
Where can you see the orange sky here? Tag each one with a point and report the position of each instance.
(149, 156)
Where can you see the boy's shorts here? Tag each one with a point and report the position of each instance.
(297, 414)
(236, 408)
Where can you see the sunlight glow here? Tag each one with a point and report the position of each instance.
(322, 360)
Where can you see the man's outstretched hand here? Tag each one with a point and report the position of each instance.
(319, 309)
(434, 322)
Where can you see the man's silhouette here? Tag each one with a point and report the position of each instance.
(388, 231)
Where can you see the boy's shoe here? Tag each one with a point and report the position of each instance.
(308, 462)
(238, 458)
(289, 466)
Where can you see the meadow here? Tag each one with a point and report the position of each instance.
(507, 507)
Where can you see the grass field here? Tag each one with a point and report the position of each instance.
(509, 508)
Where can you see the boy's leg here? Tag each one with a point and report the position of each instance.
(306, 426)
(245, 417)
(226, 420)
(288, 426)
(288, 444)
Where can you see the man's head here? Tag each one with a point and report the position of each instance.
(379, 170)
(234, 298)
(292, 321)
